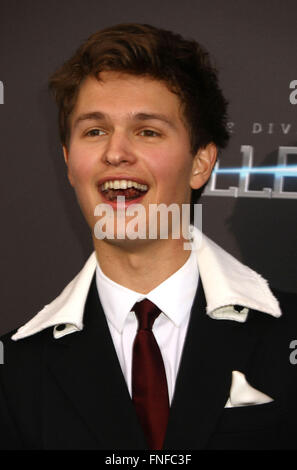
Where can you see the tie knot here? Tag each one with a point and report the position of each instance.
(146, 313)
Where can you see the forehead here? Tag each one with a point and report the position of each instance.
(117, 94)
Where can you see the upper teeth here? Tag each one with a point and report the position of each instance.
(123, 184)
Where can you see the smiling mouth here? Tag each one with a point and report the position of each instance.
(128, 188)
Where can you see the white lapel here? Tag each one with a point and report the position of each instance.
(225, 280)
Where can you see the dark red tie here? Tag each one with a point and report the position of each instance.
(149, 384)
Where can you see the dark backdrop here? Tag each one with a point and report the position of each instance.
(44, 240)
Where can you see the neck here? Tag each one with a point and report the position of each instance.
(141, 266)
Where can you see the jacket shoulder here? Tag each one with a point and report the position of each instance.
(21, 372)
(275, 334)
(288, 305)
(23, 356)
(287, 301)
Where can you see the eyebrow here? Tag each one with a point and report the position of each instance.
(95, 116)
(154, 116)
(99, 116)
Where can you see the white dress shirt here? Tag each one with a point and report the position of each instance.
(174, 297)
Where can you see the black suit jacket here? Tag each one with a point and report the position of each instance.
(70, 393)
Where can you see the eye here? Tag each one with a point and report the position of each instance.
(149, 133)
(95, 133)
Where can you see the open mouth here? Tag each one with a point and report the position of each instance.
(128, 188)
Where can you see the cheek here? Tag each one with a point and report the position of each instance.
(80, 166)
(172, 169)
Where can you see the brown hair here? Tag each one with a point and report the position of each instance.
(144, 50)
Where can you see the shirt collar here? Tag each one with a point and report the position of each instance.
(175, 292)
(225, 280)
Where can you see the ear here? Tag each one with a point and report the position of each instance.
(65, 153)
(203, 164)
(66, 158)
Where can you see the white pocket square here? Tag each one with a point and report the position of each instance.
(243, 394)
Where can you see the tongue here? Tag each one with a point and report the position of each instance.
(130, 193)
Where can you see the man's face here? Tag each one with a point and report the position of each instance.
(129, 129)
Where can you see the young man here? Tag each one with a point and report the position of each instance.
(151, 346)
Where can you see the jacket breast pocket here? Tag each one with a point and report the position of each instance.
(248, 427)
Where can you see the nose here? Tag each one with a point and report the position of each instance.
(118, 150)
